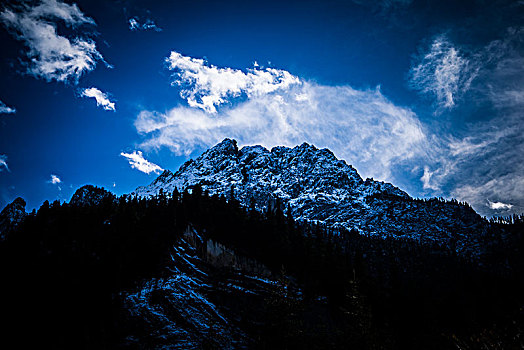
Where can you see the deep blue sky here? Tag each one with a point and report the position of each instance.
(452, 70)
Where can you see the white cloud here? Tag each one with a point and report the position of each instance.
(3, 163)
(100, 97)
(137, 161)
(443, 72)
(361, 126)
(499, 205)
(5, 109)
(149, 24)
(55, 180)
(206, 86)
(52, 56)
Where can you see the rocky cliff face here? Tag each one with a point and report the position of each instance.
(319, 187)
(200, 304)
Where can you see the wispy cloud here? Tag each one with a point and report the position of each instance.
(137, 161)
(102, 99)
(488, 165)
(427, 184)
(5, 109)
(361, 126)
(502, 79)
(443, 72)
(149, 24)
(3, 163)
(206, 86)
(52, 56)
(484, 162)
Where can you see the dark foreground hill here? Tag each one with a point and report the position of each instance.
(193, 271)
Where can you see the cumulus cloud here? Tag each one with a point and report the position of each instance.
(443, 72)
(55, 180)
(499, 205)
(361, 126)
(5, 109)
(101, 98)
(207, 86)
(137, 161)
(52, 56)
(149, 24)
(3, 163)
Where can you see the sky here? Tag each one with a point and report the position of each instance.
(427, 95)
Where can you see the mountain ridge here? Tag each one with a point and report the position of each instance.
(318, 187)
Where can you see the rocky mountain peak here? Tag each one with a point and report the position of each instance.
(319, 187)
(227, 146)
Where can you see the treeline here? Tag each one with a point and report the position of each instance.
(515, 220)
(64, 269)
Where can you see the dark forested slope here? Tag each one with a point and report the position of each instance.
(189, 270)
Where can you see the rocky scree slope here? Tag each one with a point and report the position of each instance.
(319, 187)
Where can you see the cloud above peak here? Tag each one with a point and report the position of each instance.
(278, 108)
(138, 162)
(380, 138)
(52, 56)
(101, 98)
(206, 86)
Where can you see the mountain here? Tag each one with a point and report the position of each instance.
(318, 187)
(12, 215)
(193, 271)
